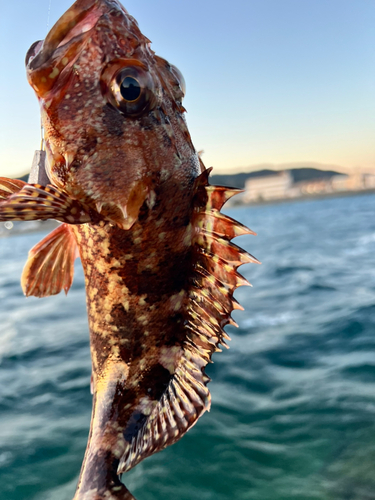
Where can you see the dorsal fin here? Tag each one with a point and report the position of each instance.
(208, 304)
(50, 265)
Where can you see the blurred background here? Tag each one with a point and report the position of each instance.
(280, 97)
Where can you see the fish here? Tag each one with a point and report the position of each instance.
(134, 202)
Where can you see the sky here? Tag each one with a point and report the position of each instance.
(270, 83)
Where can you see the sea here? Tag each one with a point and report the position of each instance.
(293, 400)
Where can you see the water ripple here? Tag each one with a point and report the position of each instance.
(293, 399)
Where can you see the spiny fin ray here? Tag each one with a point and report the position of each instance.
(9, 187)
(184, 400)
(220, 224)
(219, 195)
(208, 307)
(227, 251)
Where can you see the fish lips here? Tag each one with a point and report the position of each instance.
(73, 18)
(46, 59)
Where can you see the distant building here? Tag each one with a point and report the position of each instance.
(353, 182)
(369, 181)
(316, 186)
(270, 187)
(340, 182)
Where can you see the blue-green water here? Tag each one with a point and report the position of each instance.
(293, 413)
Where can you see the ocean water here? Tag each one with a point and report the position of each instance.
(293, 412)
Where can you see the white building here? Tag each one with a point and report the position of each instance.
(340, 182)
(270, 187)
(369, 181)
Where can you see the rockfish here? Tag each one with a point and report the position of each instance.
(136, 206)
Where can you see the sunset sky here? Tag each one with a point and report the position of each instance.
(268, 81)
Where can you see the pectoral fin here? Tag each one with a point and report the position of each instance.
(9, 187)
(50, 266)
(34, 202)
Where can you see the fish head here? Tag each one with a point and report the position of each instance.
(111, 110)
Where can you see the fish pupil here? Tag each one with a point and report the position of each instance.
(130, 89)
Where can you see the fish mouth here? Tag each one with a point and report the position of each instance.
(65, 39)
(79, 18)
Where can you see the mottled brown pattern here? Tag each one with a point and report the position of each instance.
(139, 272)
(135, 201)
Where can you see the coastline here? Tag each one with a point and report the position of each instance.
(315, 196)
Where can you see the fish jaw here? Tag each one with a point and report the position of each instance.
(99, 153)
(46, 59)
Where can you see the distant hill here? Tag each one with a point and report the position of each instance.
(309, 174)
(298, 174)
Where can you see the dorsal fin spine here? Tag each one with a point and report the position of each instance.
(243, 257)
(213, 221)
(208, 318)
(202, 353)
(219, 195)
(209, 303)
(201, 295)
(224, 249)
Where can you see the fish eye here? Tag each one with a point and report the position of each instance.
(129, 87)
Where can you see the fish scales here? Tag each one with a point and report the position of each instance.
(135, 204)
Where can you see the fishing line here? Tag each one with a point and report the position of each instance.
(41, 124)
(42, 143)
(49, 12)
